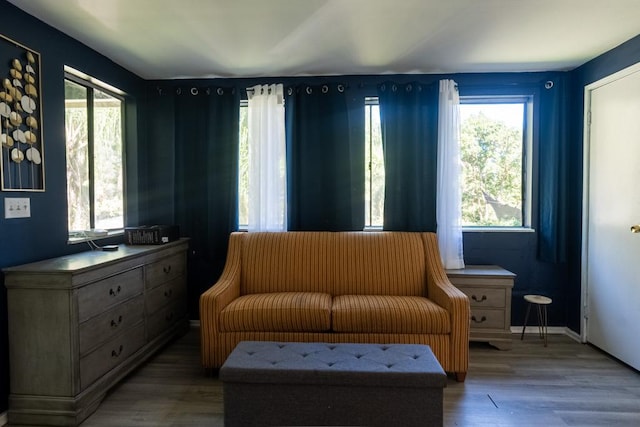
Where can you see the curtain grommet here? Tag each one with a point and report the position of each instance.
(289, 91)
(194, 91)
(325, 88)
(340, 88)
(309, 90)
(220, 91)
(394, 88)
(548, 84)
(179, 91)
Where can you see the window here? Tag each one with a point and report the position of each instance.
(374, 166)
(495, 150)
(93, 125)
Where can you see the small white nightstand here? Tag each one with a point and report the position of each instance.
(489, 290)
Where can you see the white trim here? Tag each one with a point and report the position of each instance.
(551, 330)
(588, 89)
(3, 419)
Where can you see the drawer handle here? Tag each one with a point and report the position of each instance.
(115, 324)
(166, 269)
(475, 298)
(115, 353)
(168, 293)
(116, 292)
(482, 319)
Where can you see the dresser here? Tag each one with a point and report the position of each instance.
(489, 290)
(79, 323)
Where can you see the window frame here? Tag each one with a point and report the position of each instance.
(92, 84)
(527, 156)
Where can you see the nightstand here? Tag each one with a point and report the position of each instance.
(489, 290)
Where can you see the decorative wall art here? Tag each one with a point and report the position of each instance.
(20, 118)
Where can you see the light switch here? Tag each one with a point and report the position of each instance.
(17, 207)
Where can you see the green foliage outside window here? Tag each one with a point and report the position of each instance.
(492, 154)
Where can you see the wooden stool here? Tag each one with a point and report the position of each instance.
(541, 303)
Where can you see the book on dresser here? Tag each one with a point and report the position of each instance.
(79, 323)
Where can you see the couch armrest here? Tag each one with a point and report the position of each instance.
(218, 296)
(441, 291)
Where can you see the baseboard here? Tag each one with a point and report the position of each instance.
(3, 419)
(551, 330)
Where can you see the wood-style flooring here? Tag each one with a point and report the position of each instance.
(564, 384)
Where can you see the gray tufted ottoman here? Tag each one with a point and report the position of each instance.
(317, 384)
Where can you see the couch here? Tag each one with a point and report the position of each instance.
(335, 287)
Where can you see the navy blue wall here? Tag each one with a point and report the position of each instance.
(44, 235)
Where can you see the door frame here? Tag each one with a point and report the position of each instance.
(588, 89)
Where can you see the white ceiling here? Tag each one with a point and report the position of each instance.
(165, 39)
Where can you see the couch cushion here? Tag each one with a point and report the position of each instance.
(278, 312)
(287, 262)
(388, 314)
(380, 263)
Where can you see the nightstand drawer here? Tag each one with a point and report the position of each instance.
(485, 297)
(487, 319)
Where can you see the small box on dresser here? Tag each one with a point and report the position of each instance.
(489, 290)
(79, 323)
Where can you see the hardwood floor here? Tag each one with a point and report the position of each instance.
(564, 384)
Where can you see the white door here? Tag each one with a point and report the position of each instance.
(611, 259)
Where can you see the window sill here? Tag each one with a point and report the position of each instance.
(498, 230)
(81, 237)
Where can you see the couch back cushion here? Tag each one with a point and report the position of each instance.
(380, 263)
(336, 263)
(287, 262)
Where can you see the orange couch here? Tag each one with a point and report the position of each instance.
(336, 287)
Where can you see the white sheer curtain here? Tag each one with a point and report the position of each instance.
(267, 159)
(449, 195)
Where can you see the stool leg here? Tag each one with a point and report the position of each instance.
(540, 322)
(544, 312)
(526, 318)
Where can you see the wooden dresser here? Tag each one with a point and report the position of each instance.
(489, 290)
(80, 323)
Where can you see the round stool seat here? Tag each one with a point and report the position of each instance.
(537, 299)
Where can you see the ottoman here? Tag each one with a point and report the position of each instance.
(318, 384)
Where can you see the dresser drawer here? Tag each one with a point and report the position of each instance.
(111, 354)
(164, 270)
(163, 319)
(165, 294)
(99, 329)
(485, 297)
(487, 319)
(100, 296)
